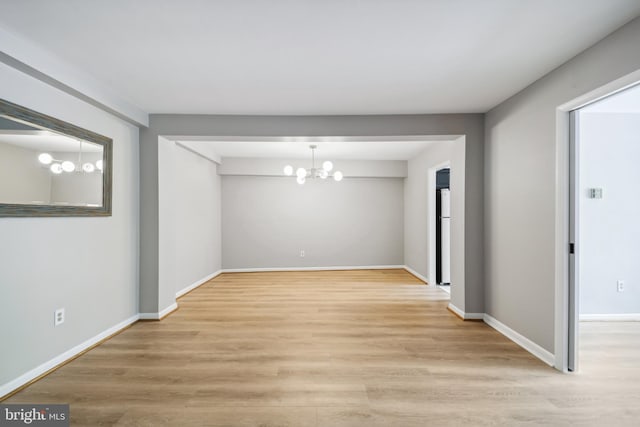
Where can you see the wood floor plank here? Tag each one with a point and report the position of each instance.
(337, 348)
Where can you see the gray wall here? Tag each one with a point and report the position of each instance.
(471, 125)
(420, 205)
(87, 265)
(609, 238)
(520, 186)
(77, 188)
(149, 222)
(167, 220)
(190, 220)
(198, 218)
(267, 221)
(22, 180)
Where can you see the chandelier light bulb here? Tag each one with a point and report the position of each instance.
(302, 174)
(99, 165)
(45, 158)
(88, 167)
(68, 166)
(56, 168)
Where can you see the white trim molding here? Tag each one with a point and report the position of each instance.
(466, 316)
(524, 342)
(341, 267)
(622, 317)
(198, 283)
(160, 315)
(23, 379)
(415, 273)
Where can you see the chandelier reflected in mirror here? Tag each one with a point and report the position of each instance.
(302, 174)
(57, 166)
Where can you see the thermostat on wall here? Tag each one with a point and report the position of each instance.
(595, 193)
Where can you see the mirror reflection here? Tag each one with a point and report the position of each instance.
(42, 167)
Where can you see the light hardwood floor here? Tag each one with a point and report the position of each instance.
(343, 348)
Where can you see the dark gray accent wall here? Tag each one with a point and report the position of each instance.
(148, 302)
(471, 125)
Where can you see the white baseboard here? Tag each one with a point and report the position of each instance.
(533, 348)
(160, 315)
(415, 273)
(197, 283)
(447, 289)
(623, 317)
(466, 316)
(340, 267)
(72, 352)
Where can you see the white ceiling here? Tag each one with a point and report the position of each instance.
(315, 57)
(45, 141)
(626, 101)
(371, 149)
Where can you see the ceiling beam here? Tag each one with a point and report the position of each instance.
(44, 66)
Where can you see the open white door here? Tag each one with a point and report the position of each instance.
(573, 321)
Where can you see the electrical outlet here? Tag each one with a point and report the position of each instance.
(58, 317)
(302, 253)
(620, 285)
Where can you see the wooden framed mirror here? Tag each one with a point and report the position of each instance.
(49, 167)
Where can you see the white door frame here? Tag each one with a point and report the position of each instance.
(566, 309)
(432, 217)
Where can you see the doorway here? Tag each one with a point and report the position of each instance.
(604, 276)
(439, 179)
(443, 227)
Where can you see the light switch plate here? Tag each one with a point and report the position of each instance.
(595, 193)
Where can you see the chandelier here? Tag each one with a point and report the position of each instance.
(303, 174)
(57, 166)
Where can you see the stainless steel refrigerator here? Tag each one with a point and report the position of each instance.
(444, 224)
